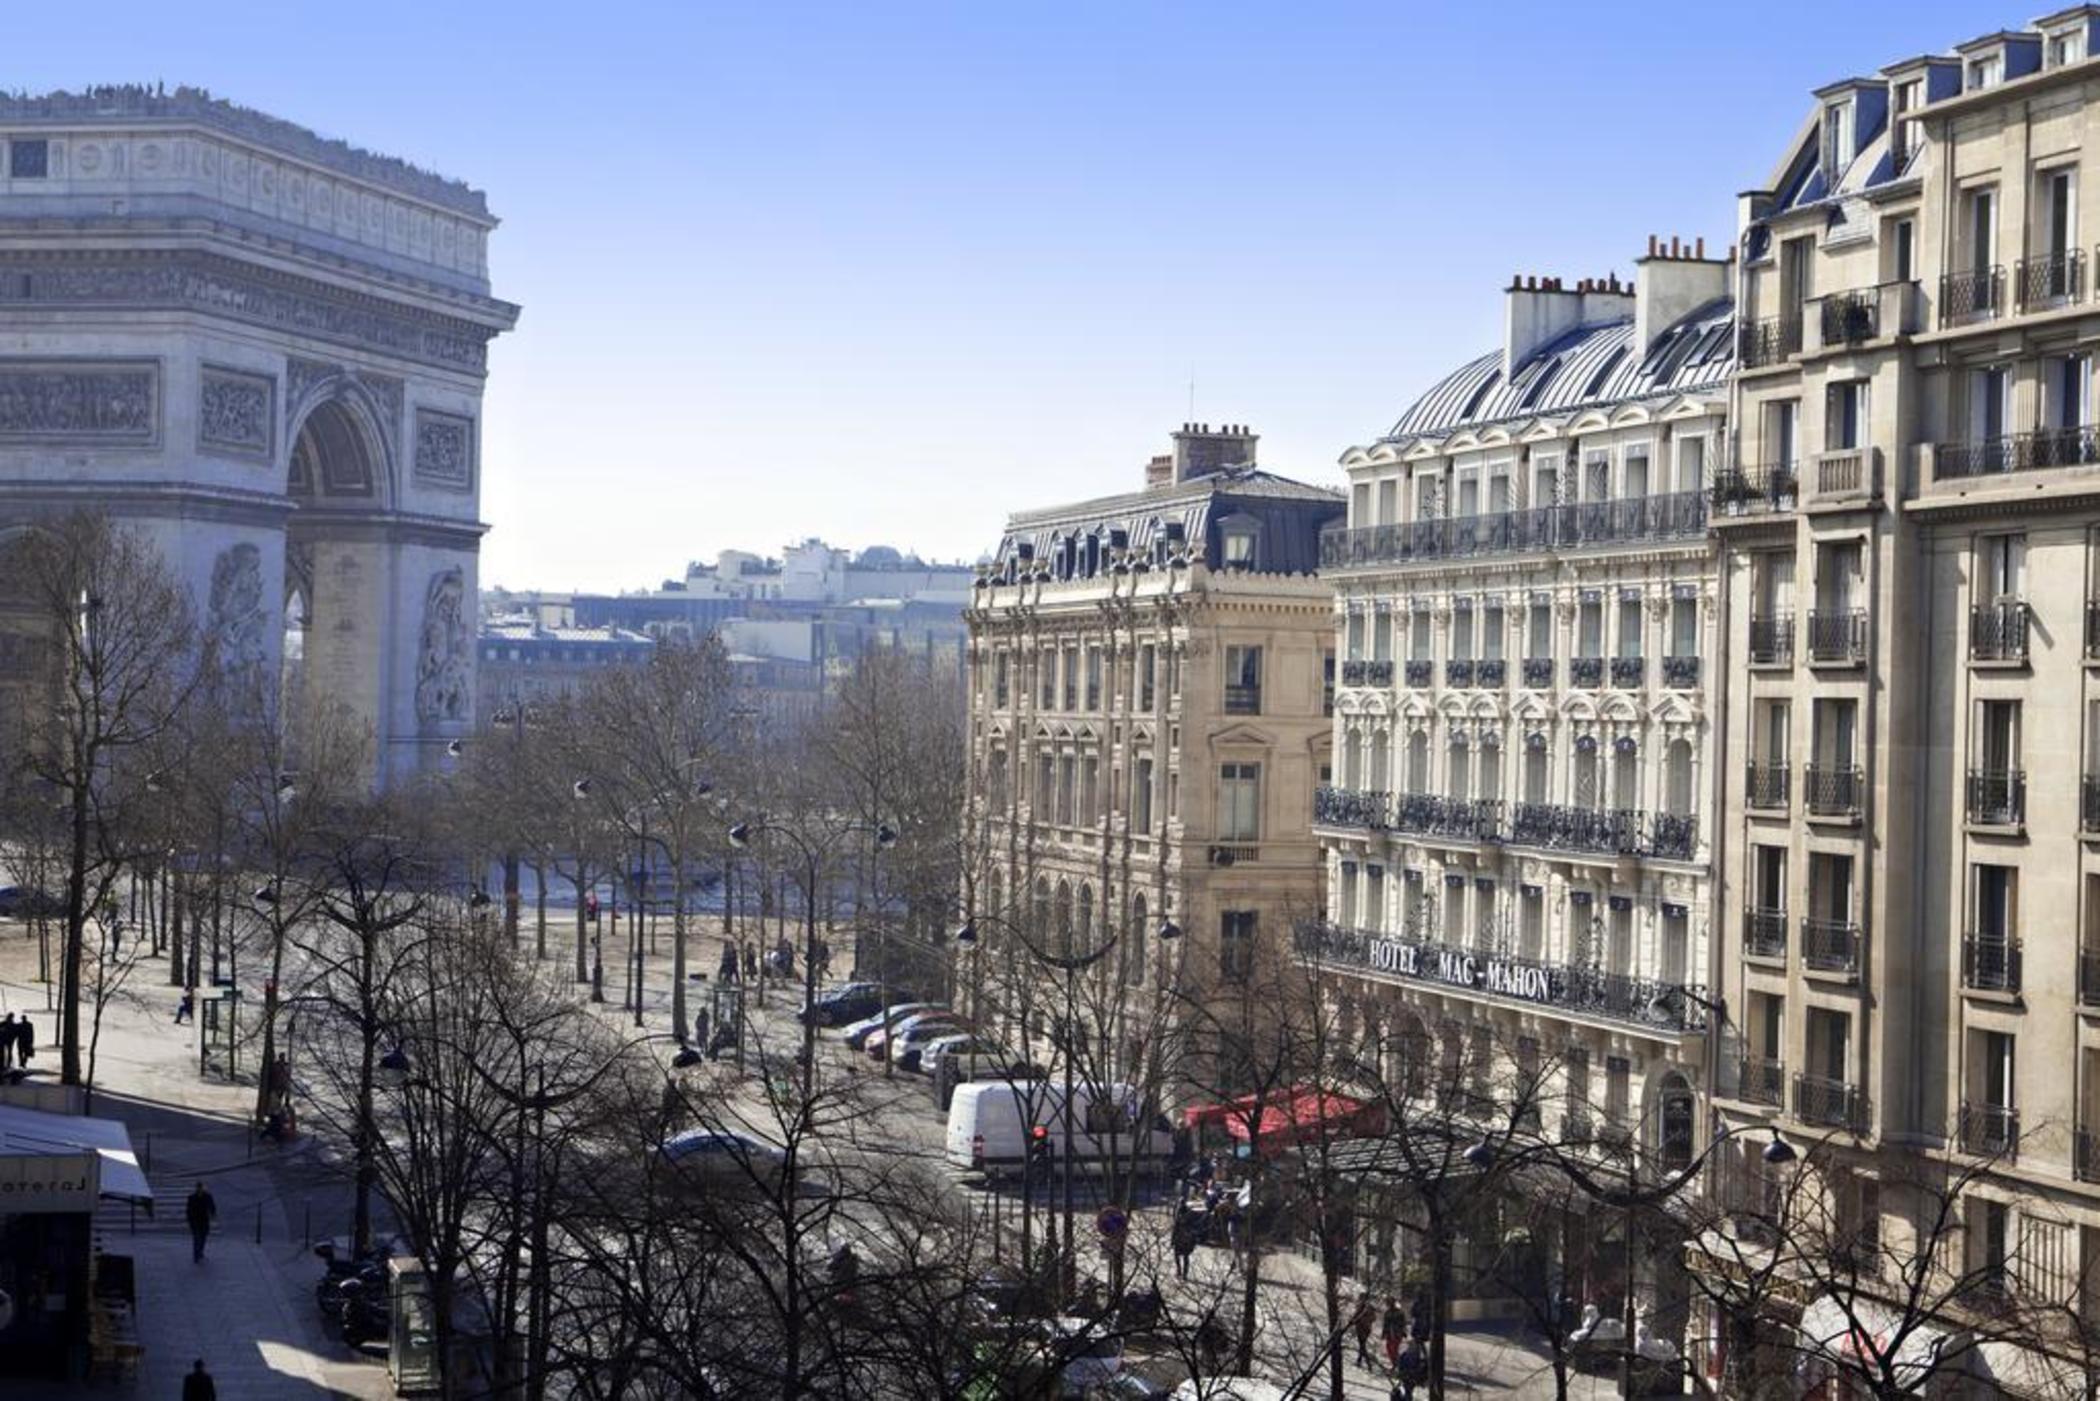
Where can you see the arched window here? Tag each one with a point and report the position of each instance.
(1674, 1123)
(1379, 779)
(1040, 916)
(1418, 762)
(1459, 774)
(1353, 762)
(1625, 774)
(1061, 918)
(1586, 792)
(1535, 769)
(1677, 778)
(1490, 767)
(1086, 916)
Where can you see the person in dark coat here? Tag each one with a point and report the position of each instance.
(1420, 1309)
(201, 1211)
(1365, 1320)
(7, 1039)
(728, 971)
(198, 1385)
(25, 1039)
(1184, 1240)
(1393, 1331)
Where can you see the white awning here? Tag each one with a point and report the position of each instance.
(1841, 1330)
(2022, 1371)
(32, 1133)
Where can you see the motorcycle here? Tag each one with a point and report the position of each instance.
(342, 1268)
(365, 1317)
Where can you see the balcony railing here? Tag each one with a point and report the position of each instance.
(1352, 807)
(1571, 526)
(1243, 700)
(1353, 673)
(1764, 934)
(1741, 491)
(2018, 452)
(1851, 317)
(1490, 673)
(1990, 1130)
(1998, 631)
(1434, 815)
(2092, 630)
(2054, 279)
(1847, 472)
(1762, 1081)
(1538, 673)
(1576, 988)
(1601, 831)
(1586, 673)
(1831, 791)
(2085, 1155)
(1829, 1103)
(1990, 962)
(1769, 341)
(1965, 296)
(1458, 672)
(1674, 836)
(1837, 636)
(1772, 639)
(1830, 946)
(2089, 804)
(1765, 786)
(1997, 797)
(1681, 673)
(1378, 674)
(2089, 977)
(1420, 674)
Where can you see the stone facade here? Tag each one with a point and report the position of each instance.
(293, 385)
(1147, 723)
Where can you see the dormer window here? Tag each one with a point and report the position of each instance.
(1910, 96)
(2067, 47)
(1837, 138)
(1985, 71)
(1239, 542)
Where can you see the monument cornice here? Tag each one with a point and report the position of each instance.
(154, 499)
(212, 284)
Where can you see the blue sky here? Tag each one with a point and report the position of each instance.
(883, 273)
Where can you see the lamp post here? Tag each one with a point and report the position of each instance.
(1070, 965)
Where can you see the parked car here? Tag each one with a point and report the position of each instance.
(911, 1045)
(848, 1002)
(26, 902)
(877, 1039)
(720, 1157)
(959, 1046)
(857, 1033)
(1085, 1354)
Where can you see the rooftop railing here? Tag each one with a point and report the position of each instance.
(1573, 526)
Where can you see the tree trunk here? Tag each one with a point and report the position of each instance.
(539, 903)
(510, 897)
(177, 970)
(679, 1026)
(1439, 1295)
(76, 921)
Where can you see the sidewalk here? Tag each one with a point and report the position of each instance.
(248, 1309)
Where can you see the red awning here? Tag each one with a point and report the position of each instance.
(1291, 1117)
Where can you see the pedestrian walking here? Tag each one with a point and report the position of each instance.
(25, 1039)
(700, 1027)
(7, 1040)
(198, 1385)
(1393, 1331)
(1420, 1310)
(185, 1006)
(750, 959)
(1410, 1369)
(1183, 1238)
(728, 972)
(201, 1211)
(1366, 1319)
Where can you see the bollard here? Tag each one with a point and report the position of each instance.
(258, 1223)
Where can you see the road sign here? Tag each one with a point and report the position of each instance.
(1112, 1223)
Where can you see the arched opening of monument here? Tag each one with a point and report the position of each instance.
(336, 569)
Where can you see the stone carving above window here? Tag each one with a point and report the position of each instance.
(115, 402)
(235, 413)
(445, 449)
(442, 660)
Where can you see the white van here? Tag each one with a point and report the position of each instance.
(989, 1123)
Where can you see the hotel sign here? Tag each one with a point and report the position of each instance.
(42, 1185)
(1504, 977)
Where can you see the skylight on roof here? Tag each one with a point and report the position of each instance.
(1611, 362)
(1479, 395)
(1540, 380)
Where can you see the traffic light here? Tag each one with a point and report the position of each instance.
(1039, 1149)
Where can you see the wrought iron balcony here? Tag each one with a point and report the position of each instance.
(1769, 341)
(1490, 673)
(1243, 700)
(1572, 987)
(1765, 786)
(1586, 673)
(2018, 452)
(2056, 279)
(1965, 296)
(1353, 673)
(1772, 639)
(1837, 636)
(1990, 1130)
(1538, 672)
(1762, 1080)
(1998, 631)
(1420, 674)
(1458, 672)
(1606, 832)
(1352, 807)
(1990, 962)
(1997, 797)
(2089, 977)
(1851, 317)
(1434, 815)
(1378, 674)
(1831, 791)
(1674, 837)
(1539, 529)
(1681, 673)
(1830, 946)
(1764, 934)
(1627, 673)
(1832, 1104)
(2085, 1155)
(1770, 486)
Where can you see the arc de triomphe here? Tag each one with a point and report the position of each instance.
(267, 350)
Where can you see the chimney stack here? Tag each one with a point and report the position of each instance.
(1674, 280)
(1201, 452)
